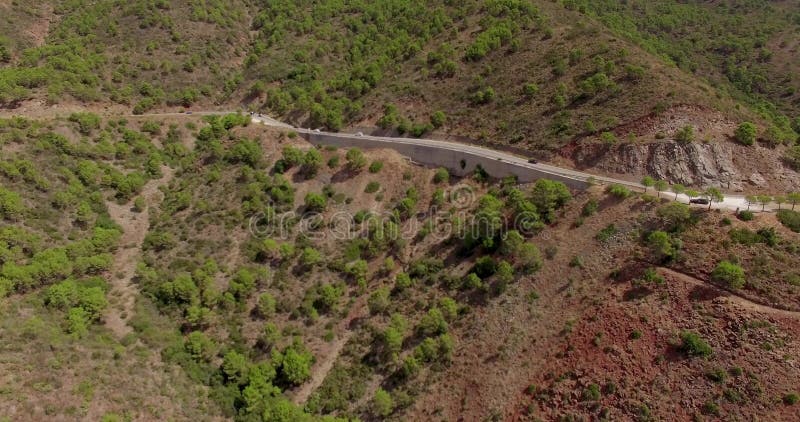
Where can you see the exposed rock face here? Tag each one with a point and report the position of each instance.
(722, 164)
(689, 164)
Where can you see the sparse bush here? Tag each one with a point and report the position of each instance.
(372, 187)
(592, 393)
(355, 159)
(315, 202)
(608, 138)
(589, 208)
(378, 301)
(10, 204)
(711, 408)
(482, 96)
(441, 175)
(746, 133)
(87, 122)
(606, 233)
(530, 89)
(685, 134)
(619, 191)
(788, 218)
(433, 323)
(438, 119)
(694, 345)
(376, 166)
(382, 403)
(745, 215)
(266, 305)
(716, 375)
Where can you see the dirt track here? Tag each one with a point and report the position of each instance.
(134, 226)
(732, 298)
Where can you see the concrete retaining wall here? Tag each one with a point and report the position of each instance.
(442, 157)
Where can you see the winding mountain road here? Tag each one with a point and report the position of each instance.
(730, 202)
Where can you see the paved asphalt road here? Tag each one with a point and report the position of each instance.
(730, 202)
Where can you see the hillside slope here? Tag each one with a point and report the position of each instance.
(277, 278)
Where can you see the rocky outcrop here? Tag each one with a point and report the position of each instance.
(689, 164)
(722, 164)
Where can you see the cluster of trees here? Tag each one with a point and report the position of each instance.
(741, 59)
(83, 301)
(392, 119)
(72, 184)
(373, 38)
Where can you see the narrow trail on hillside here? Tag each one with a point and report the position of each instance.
(730, 297)
(323, 366)
(134, 225)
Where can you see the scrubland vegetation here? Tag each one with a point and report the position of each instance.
(277, 280)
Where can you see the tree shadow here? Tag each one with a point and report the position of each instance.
(704, 293)
(636, 293)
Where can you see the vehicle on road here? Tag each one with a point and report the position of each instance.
(533, 161)
(359, 134)
(188, 112)
(700, 201)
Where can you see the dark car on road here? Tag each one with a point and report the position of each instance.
(533, 161)
(701, 201)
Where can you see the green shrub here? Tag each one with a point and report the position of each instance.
(433, 323)
(376, 166)
(694, 345)
(791, 398)
(139, 204)
(10, 204)
(438, 118)
(382, 403)
(266, 305)
(730, 274)
(685, 134)
(403, 281)
(746, 133)
(589, 208)
(662, 245)
(378, 301)
(745, 215)
(315, 202)
(87, 122)
(294, 364)
(199, 346)
(530, 89)
(788, 218)
(711, 408)
(372, 187)
(606, 233)
(355, 159)
(592, 393)
(482, 96)
(619, 191)
(333, 162)
(441, 175)
(717, 375)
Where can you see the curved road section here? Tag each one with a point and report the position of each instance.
(538, 170)
(453, 154)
